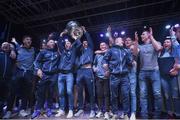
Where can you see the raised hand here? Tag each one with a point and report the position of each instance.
(151, 33)
(109, 29)
(171, 31)
(63, 32)
(136, 36)
(83, 28)
(13, 40)
(39, 73)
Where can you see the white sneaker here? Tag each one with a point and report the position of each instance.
(7, 115)
(23, 113)
(80, 112)
(115, 116)
(126, 117)
(133, 116)
(110, 113)
(122, 116)
(60, 113)
(106, 116)
(99, 114)
(92, 114)
(28, 111)
(70, 114)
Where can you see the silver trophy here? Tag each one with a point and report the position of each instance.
(74, 29)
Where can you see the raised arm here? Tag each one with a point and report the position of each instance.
(61, 42)
(88, 37)
(16, 43)
(136, 44)
(155, 43)
(173, 37)
(111, 40)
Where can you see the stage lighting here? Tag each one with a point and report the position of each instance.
(44, 40)
(115, 34)
(176, 25)
(107, 34)
(66, 40)
(123, 32)
(101, 35)
(168, 26)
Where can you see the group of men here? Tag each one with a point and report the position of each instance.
(108, 75)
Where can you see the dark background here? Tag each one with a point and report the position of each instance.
(38, 18)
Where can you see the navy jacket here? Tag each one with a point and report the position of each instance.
(85, 55)
(98, 63)
(68, 57)
(47, 60)
(6, 65)
(118, 58)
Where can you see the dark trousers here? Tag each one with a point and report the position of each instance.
(4, 91)
(120, 83)
(21, 86)
(85, 77)
(103, 93)
(45, 86)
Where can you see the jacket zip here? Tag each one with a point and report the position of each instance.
(120, 60)
(51, 62)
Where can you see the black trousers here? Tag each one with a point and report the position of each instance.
(46, 85)
(120, 82)
(4, 91)
(103, 93)
(21, 86)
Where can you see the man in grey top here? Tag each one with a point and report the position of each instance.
(149, 72)
(22, 80)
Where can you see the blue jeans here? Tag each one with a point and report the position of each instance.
(170, 89)
(133, 84)
(85, 77)
(120, 82)
(152, 77)
(68, 80)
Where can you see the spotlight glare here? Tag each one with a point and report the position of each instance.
(107, 34)
(176, 25)
(101, 35)
(65, 39)
(115, 34)
(122, 32)
(44, 40)
(168, 26)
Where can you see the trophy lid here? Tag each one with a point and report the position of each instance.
(72, 24)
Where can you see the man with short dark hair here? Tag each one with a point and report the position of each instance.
(85, 74)
(68, 52)
(149, 72)
(22, 80)
(117, 60)
(102, 81)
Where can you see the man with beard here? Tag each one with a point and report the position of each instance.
(22, 78)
